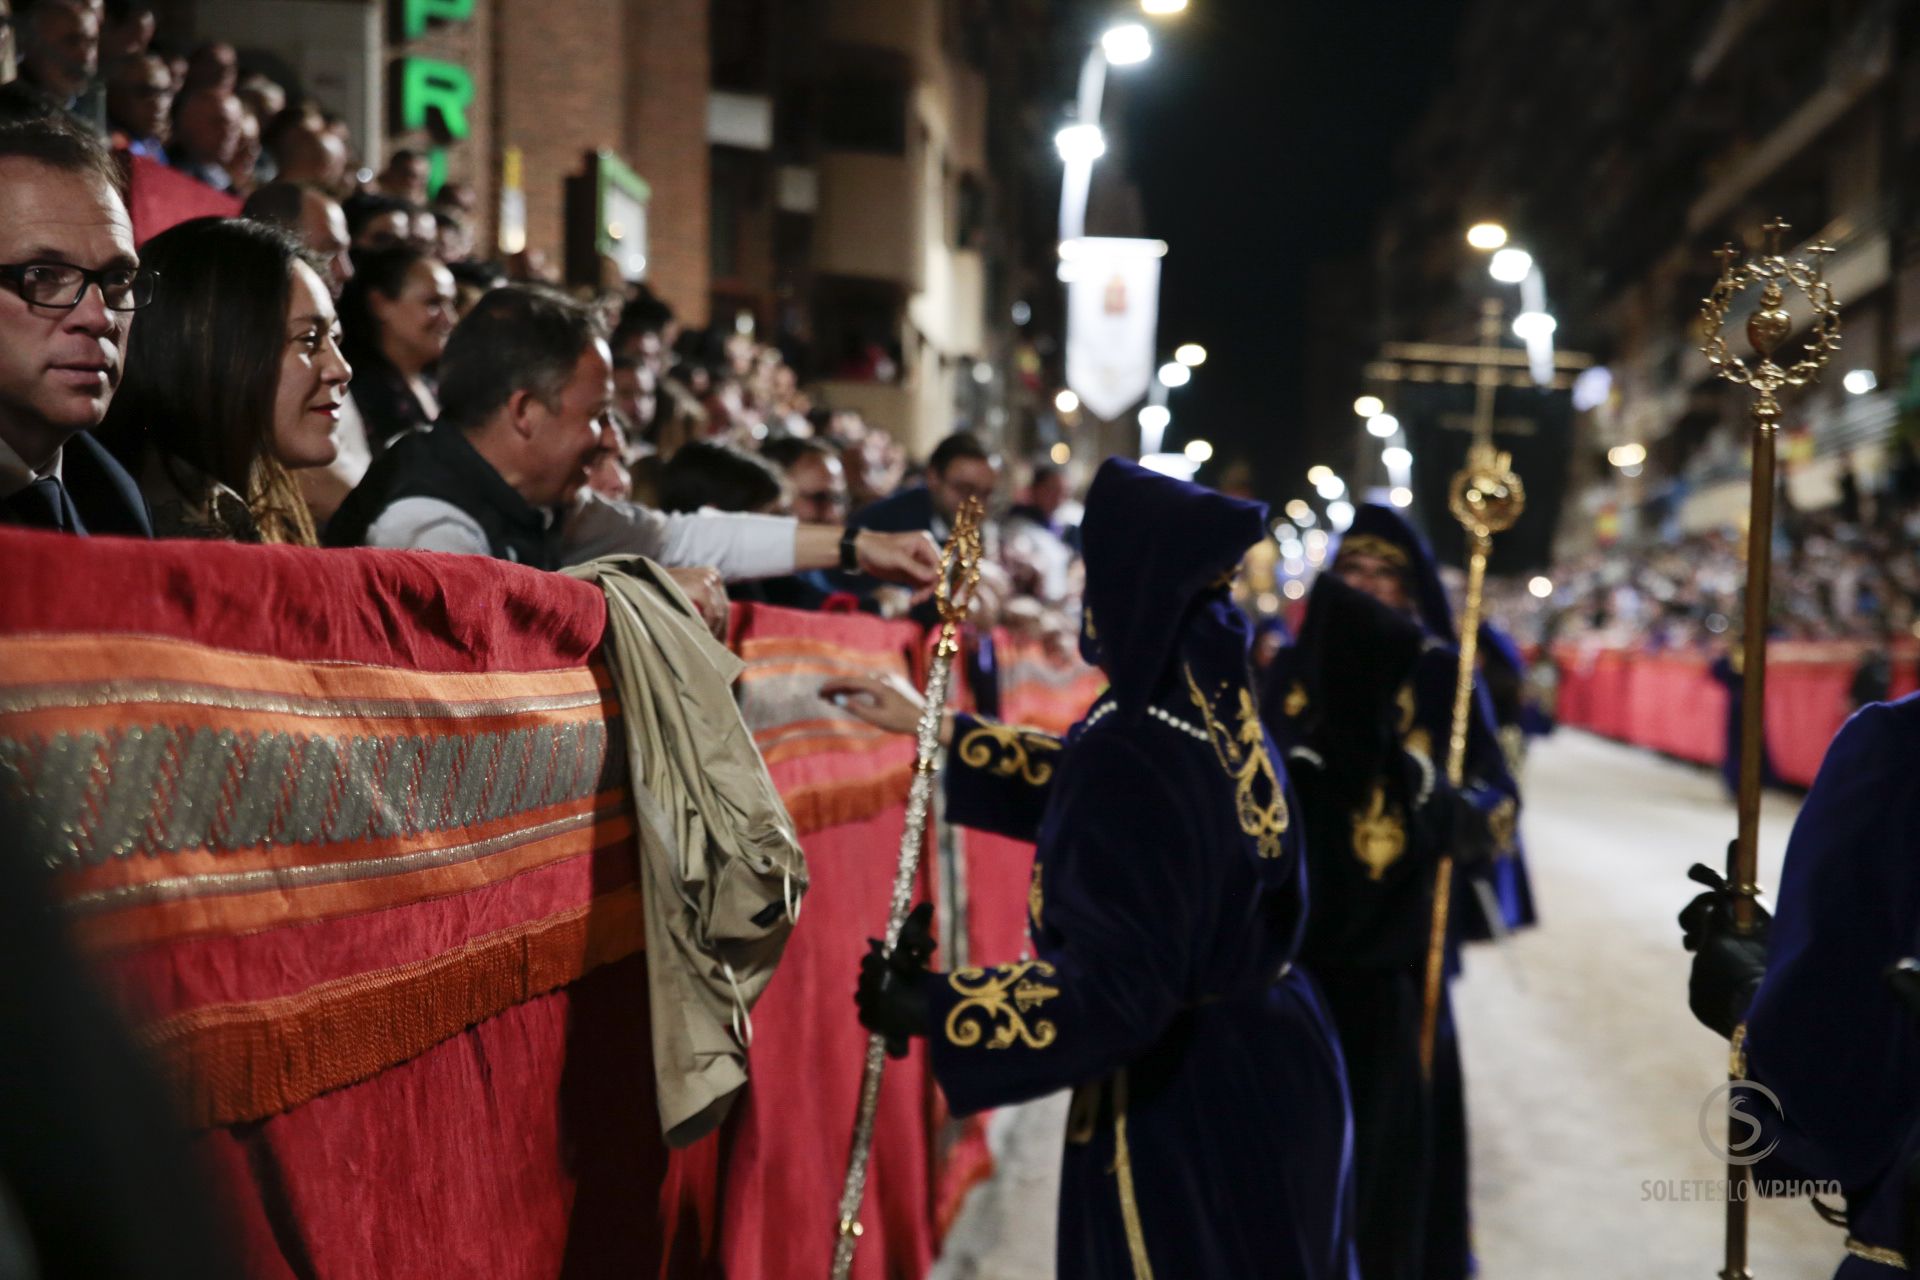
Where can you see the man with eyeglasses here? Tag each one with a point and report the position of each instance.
(70, 282)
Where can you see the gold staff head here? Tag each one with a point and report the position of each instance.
(1486, 495)
(960, 563)
(1771, 323)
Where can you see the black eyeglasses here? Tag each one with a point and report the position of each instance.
(61, 285)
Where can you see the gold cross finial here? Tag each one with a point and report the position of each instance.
(1728, 255)
(1775, 229)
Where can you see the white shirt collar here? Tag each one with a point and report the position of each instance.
(16, 475)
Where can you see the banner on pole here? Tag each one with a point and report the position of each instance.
(1113, 312)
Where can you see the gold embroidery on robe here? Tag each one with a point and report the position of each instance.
(1033, 896)
(1379, 837)
(1016, 750)
(1502, 824)
(1000, 999)
(1296, 700)
(1259, 803)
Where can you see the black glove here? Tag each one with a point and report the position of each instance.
(889, 995)
(1457, 826)
(1727, 965)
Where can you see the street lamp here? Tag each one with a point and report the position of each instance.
(1127, 45)
(1163, 8)
(1383, 425)
(1369, 407)
(1080, 144)
(1175, 374)
(1190, 354)
(1199, 451)
(1401, 496)
(1396, 458)
(1534, 326)
(1066, 401)
(1510, 266)
(1486, 236)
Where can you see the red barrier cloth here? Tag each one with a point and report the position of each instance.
(159, 198)
(1039, 690)
(787, 1142)
(1671, 703)
(344, 833)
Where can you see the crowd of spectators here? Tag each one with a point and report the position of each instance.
(1842, 574)
(342, 363)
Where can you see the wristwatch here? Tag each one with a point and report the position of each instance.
(849, 557)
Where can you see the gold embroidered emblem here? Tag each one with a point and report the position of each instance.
(1016, 749)
(1296, 700)
(1503, 825)
(1379, 837)
(999, 1000)
(1258, 801)
(1033, 896)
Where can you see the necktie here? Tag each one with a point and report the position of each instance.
(44, 504)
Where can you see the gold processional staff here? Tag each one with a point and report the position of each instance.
(959, 574)
(1486, 497)
(1767, 328)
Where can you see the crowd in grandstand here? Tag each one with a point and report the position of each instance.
(377, 282)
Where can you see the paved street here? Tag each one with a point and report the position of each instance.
(1585, 1071)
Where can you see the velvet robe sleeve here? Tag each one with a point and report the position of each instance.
(998, 777)
(1487, 782)
(1125, 899)
(1825, 1031)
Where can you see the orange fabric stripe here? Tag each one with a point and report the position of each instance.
(758, 648)
(187, 711)
(832, 804)
(239, 1062)
(64, 659)
(265, 909)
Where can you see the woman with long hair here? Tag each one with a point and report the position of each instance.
(234, 382)
(395, 315)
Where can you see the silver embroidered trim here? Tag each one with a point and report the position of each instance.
(96, 795)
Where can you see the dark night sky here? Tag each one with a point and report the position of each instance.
(1261, 135)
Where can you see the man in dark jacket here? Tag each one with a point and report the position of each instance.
(70, 282)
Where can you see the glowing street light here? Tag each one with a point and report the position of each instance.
(1067, 401)
(1190, 354)
(1860, 381)
(1061, 453)
(1175, 374)
(1486, 236)
(1340, 515)
(1541, 588)
(1300, 513)
(1155, 417)
(1199, 451)
(1510, 266)
(1627, 455)
(1293, 589)
(1369, 407)
(1080, 143)
(1401, 496)
(1163, 8)
(1383, 425)
(1127, 44)
(1331, 488)
(1317, 476)
(1534, 326)
(1396, 458)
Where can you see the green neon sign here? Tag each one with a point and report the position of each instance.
(416, 14)
(430, 88)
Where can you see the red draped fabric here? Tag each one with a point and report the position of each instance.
(159, 197)
(1672, 703)
(349, 834)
